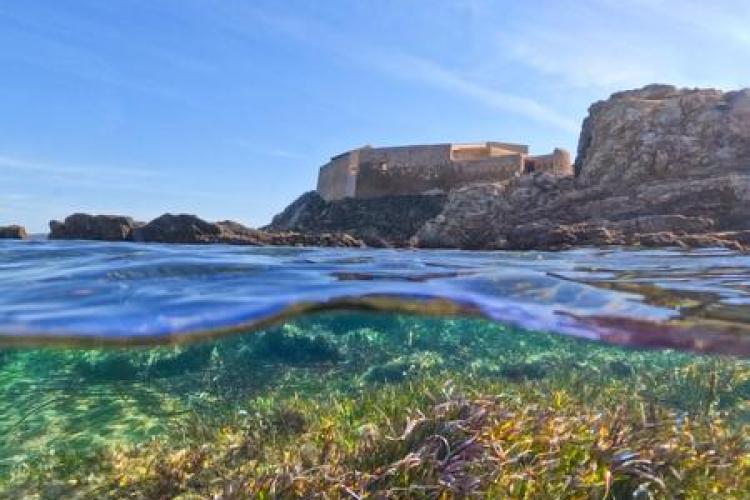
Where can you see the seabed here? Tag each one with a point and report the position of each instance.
(356, 405)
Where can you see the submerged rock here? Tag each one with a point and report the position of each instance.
(13, 232)
(621, 369)
(288, 421)
(287, 345)
(109, 365)
(528, 370)
(81, 226)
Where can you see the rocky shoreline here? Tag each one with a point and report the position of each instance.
(187, 229)
(656, 167)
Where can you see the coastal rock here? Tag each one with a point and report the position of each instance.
(294, 239)
(13, 232)
(658, 166)
(93, 227)
(181, 228)
(379, 222)
(302, 214)
(463, 221)
(237, 234)
(661, 132)
(184, 228)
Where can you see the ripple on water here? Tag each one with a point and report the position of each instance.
(55, 291)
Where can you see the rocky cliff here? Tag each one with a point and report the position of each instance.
(656, 166)
(379, 222)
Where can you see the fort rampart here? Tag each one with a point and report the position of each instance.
(373, 172)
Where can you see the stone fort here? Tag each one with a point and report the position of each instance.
(369, 172)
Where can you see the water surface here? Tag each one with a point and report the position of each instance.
(155, 371)
(136, 293)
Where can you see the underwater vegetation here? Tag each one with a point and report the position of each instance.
(374, 406)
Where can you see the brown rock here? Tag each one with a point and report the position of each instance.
(185, 228)
(13, 232)
(380, 222)
(659, 223)
(661, 132)
(181, 228)
(669, 164)
(93, 227)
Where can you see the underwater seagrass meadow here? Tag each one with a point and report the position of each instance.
(366, 405)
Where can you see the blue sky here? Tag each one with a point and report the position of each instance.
(227, 108)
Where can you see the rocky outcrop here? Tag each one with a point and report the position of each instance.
(180, 228)
(93, 227)
(661, 132)
(13, 232)
(379, 222)
(302, 214)
(183, 228)
(658, 166)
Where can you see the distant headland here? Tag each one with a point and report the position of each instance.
(656, 166)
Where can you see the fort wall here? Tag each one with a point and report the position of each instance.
(376, 180)
(370, 172)
(338, 178)
(406, 156)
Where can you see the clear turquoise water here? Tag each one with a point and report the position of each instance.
(112, 351)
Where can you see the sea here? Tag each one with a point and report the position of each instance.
(215, 371)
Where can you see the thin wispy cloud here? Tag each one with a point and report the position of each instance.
(103, 172)
(579, 64)
(72, 44)
(265, 149)
(102, 178)
(283, 153)
(629, 44)
(727, 20)
(431, 73)
(406, 66)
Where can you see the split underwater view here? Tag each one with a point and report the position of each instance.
(370, 250)
(158, 371)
